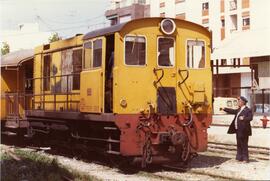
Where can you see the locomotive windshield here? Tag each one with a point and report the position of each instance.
(135, 50)
(165, 51)
(195, 54)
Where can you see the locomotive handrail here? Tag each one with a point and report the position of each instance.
(191, 118)
(179, 72)
(155, 72)
(68, 91)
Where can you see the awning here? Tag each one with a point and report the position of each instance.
(14, 59)
(250, 43)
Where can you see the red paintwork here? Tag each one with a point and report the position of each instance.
(132, 139)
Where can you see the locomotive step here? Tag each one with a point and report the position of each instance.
(113, 152)
(110, 128)
(9, 133)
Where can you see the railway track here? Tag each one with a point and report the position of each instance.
(174, 172)
(262, 153)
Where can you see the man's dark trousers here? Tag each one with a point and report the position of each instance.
(242, 147)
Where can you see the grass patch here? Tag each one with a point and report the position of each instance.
(32, 166)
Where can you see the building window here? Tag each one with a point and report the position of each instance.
(205, 21)
(87, 55)
(161, 5)
(162, 14)
(179, 1)
(233, 22)
(233, 4)
(166, 51)
(97, 53)
(246, 22)
(181, 16)
(117, 5)
(135, 50)
(205, 6)
(195, 54)
(141, 1)
(46, 72)
(223, 23)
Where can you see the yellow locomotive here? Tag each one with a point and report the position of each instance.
(141, 89)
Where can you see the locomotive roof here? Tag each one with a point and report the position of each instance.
(104, 31)
(16, 58)
(118, 27)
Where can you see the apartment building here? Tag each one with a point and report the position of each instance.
(240, 36)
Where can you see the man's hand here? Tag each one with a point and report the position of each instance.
(241, 118)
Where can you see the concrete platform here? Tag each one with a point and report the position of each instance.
(218, 131)
(260, 137)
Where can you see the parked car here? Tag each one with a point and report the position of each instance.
(259, 108)
(221, 102)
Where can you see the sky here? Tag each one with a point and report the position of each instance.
(66, 17)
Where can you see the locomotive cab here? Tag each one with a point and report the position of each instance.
(160, 75)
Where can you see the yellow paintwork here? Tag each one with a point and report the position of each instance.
(92, 89)
(9, 84)
(55, 51)
(135, 84)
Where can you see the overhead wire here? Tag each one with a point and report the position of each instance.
(59, 29)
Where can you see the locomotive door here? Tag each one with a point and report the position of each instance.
(193, 73)
(92, 77)
(165, 73)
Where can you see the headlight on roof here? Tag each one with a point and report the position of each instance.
(167, 26)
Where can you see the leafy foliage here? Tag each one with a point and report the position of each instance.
(54, 37)
(5, 48)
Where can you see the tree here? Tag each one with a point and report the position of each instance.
(54, 37)
(5, 48)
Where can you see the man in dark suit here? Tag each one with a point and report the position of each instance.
(241, 126)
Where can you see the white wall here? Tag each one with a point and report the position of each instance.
(194, 11)
(170, 8)
(214, 22)
(245, 82)
(154, 8)
(259, 14)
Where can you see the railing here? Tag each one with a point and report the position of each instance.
(56, 86)
(16, 103)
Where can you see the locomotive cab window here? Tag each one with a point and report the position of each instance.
(97, 53)
(166, 52)
(195, 54)
(135, 50)
(87, 55)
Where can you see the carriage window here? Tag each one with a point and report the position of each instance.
(97, 53)
(135, 50)
(77, 68)
(195, 54)
(87, 55)
(166, 52)
(46, 72)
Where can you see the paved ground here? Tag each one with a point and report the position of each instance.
(218, 131)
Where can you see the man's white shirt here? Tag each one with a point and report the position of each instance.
(236, 119)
